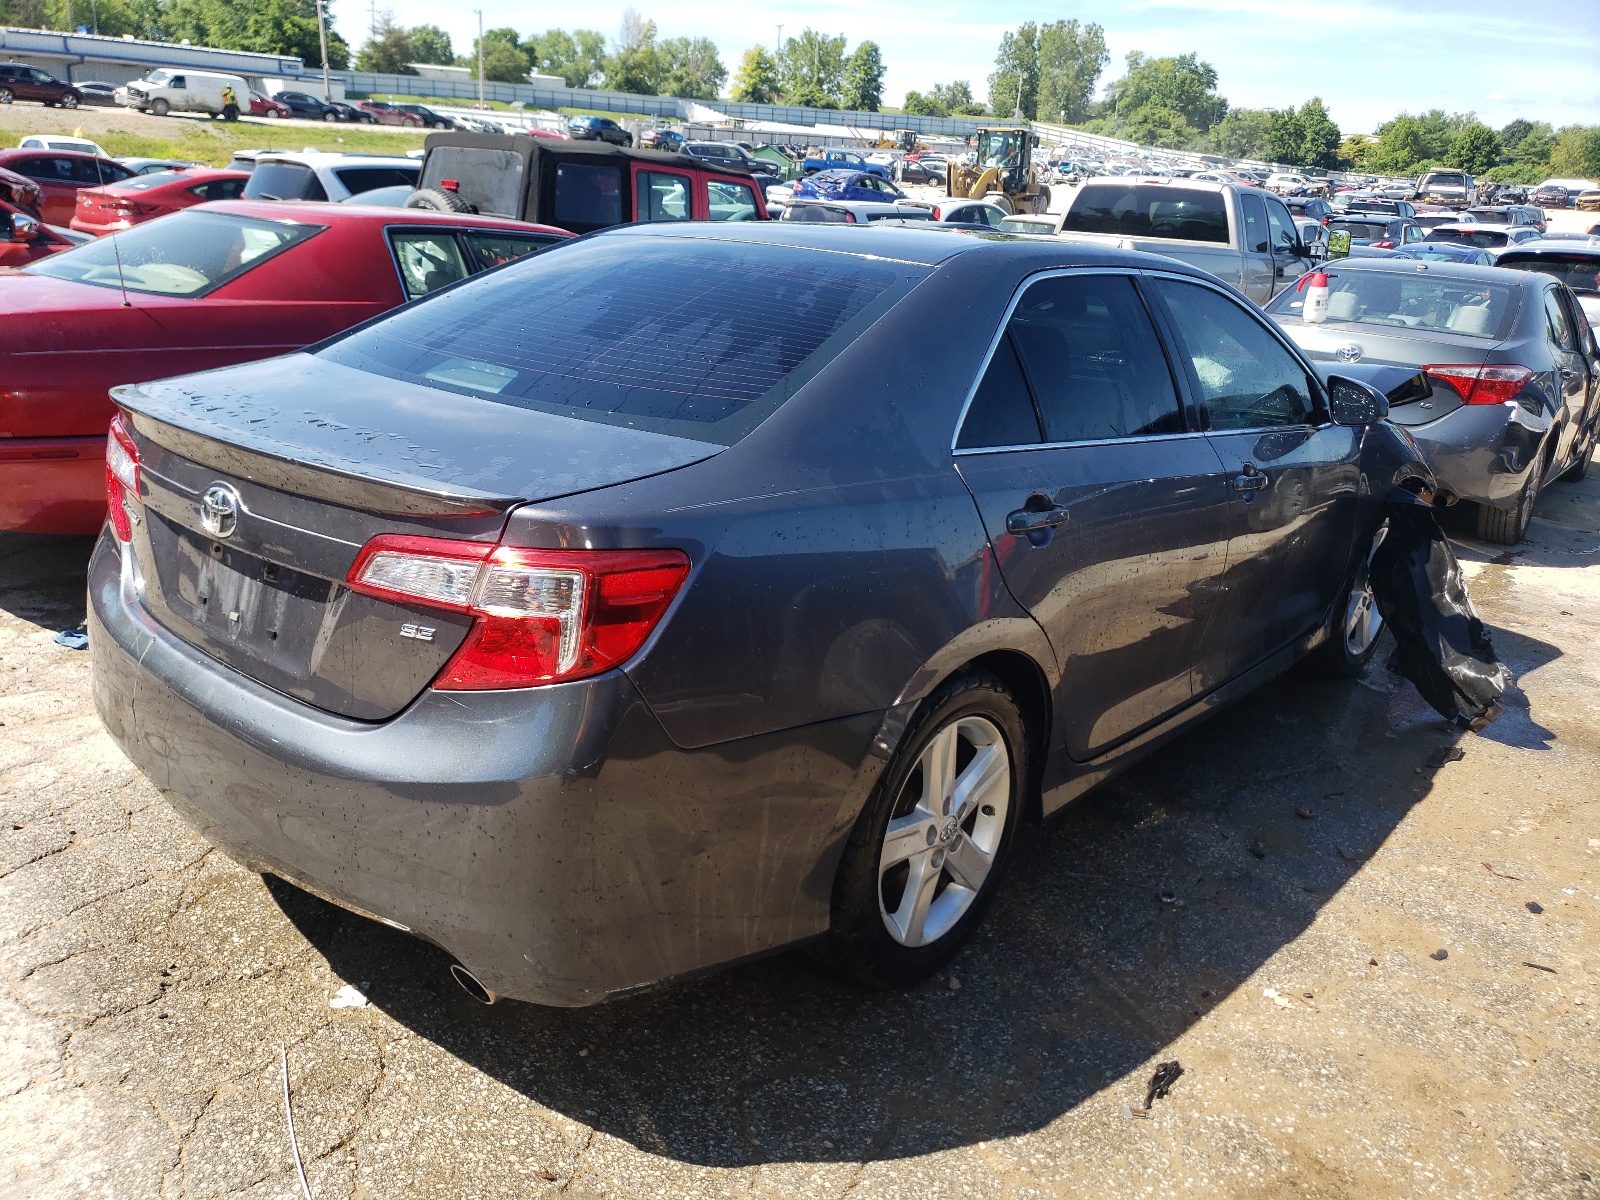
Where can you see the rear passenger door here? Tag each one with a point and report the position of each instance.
(1571, 366)
(1295, 477)
(1107, 516)
(1255, 244)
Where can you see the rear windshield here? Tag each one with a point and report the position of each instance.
(699, 339)
(365, 179)
(1580, 272)
(1370, 231)
(489, 180)
(186, 254)
(284, 181)
(1427, 302)
(154, 179)
(1442, 179)
(1149, 210)
(1484, 239)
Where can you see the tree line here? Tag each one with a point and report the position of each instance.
(1522, 152)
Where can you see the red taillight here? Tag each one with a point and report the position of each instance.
(937, 214)
(1386, 244)
(122, 478)
(540, 616)
(850, 218)
(1482, 385)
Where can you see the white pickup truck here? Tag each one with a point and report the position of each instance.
(1241, 234)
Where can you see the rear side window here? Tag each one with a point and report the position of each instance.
(219, 189)
(1255, 224)
(587, 197)
(284, 181)
(697, 339)
(187, 254)
(429, 259)
(1002, 411)
(1093, 360)
(492, 249)
(731, 201)
(1560, 327)
(659, 196)
(113, 172)
(1149, 210)
(364, 179)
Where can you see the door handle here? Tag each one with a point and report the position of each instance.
(1249, 482)
(1027, 520)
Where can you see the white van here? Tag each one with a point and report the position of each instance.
(163, 91)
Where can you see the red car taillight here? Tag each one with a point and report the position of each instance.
(540, 616)
(122, 478)
(1386, 244)
(1482, 385)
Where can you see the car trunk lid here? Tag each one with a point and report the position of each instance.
(308, 461)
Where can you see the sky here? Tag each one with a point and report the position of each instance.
(1367, 59)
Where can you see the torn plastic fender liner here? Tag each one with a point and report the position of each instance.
(1441, 645)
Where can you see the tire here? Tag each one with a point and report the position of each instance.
(5, 96)
(1580, 464)
(69, 101)
(272, 114)
(159, 107)
(1508, 526)
(230, 112)
(973, 725)
(1041, 203)
(330, 115)
(1003, 204)
(1357, 624)
(437, 200)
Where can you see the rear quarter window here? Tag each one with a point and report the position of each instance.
(697, 339)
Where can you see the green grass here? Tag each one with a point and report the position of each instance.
(214, 143)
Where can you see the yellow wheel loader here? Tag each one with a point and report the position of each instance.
(1004, 172)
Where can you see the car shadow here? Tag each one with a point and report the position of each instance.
(1121, 923)
(44, 579)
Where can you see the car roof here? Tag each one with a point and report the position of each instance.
(326, 158)
(32, 152)
(1477, 226)
(322, 212)
(927, 243)
(1538, 246)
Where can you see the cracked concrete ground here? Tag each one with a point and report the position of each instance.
(1329, 1050)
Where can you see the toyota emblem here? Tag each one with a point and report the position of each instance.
(219, 510)
(1348, 353)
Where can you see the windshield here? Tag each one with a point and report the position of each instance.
(1428, 302)
(698, 339)
(186, 254)
(1000, 148)
(158, 77)
(1580, 272)
(1149, 210)
(1450, 179)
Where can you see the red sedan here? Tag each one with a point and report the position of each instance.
(23, 237)
(387, 114)
(264, 106)
(120, 206)
(60, 175)
(207, 287)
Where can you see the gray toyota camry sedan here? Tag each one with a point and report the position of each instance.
(691, 592)
(1504, 381)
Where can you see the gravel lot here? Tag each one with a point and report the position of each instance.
(148, 986)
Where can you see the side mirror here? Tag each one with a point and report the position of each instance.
(25, 228)
(1351, 402)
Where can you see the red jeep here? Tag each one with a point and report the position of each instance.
(578, 185)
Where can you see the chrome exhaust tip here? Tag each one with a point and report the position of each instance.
(471, 984)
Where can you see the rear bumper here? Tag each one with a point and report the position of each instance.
(553, 840)
(1483, 452)
(52, 485)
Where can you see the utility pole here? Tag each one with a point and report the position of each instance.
(322, 37)
(778, 49)
(480, 56)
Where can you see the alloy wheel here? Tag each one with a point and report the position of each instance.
(69, 101)
(5, 95)
(1363, 623)
(940, 843)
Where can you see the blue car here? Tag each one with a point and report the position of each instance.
(847, 185)
(840, 160)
